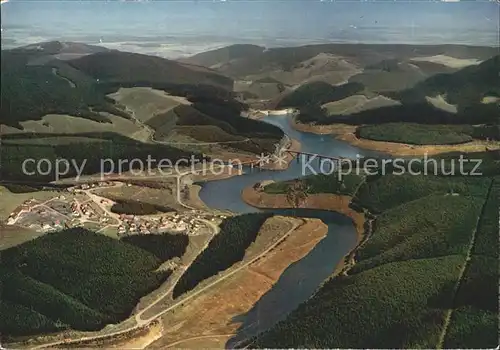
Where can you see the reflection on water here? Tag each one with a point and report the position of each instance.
(226, 194)
(299, 281)
(302, 278)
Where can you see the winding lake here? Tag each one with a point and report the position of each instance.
(299, 281)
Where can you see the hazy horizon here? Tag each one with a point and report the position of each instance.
(179, 28)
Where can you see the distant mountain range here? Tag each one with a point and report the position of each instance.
(75, 79)
(270, 74)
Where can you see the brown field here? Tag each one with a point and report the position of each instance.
(206, 320)
(270, 232)
(14, 235)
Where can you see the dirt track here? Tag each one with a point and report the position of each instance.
(211, 314)
(346, 133)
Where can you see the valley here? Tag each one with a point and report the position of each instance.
(255, 254)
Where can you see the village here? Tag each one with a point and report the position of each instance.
(78, 206)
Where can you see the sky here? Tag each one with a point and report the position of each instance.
(179, 28)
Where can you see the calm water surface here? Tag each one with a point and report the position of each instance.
(302, 278)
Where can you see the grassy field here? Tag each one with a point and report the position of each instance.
(67, 124)
(154, 197)
(117, 147)
(385, 192)
(396, 305)
(436, 225)
(146, 102)
(225, 249)
(10, 201)
(320, 184)
(474, 322)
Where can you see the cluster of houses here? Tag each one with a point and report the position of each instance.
(42, 220)
(132, 224)
(188, 223)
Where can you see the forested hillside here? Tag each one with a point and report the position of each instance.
(317, 94)
(246, 60)
(164, 246)
(73, 279)
(405, 277)
(465, 90)
(99, 146)
(36, 82)
(127, 67)
(225, 249)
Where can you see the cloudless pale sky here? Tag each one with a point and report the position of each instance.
(176, 28)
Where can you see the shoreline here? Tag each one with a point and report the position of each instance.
(320, 201)
(346, 133)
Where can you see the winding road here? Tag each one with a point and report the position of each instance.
(143, 322)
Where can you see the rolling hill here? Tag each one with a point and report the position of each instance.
(239, 61)
(113, 67)
(465, 87)
(68, 97)
(69, 78)
(447, 98)
(381, 68)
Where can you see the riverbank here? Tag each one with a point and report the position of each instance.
(346, 133)
(320, 201)
(294, 146)
(210, 318)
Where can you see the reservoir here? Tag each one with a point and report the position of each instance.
(299, 281)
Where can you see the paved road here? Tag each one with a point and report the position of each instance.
(142, 322)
